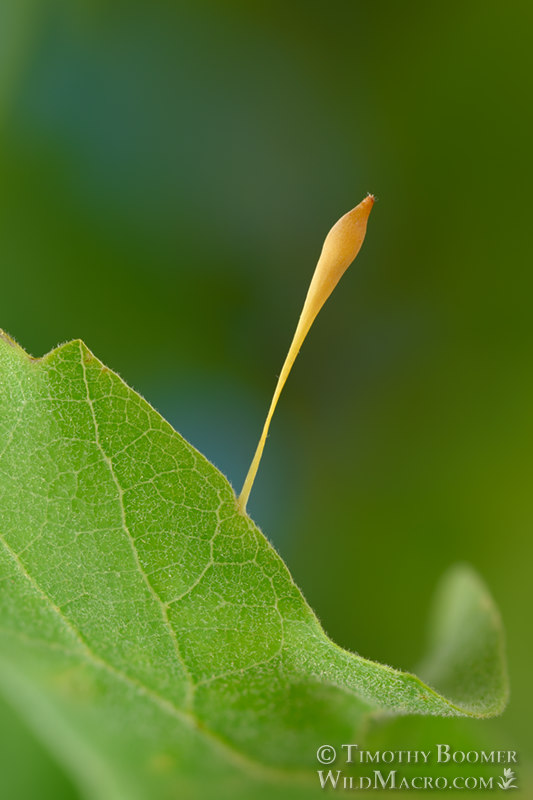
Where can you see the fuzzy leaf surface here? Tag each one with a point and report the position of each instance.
(151, 634)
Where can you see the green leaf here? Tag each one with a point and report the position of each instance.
(18, 748)
(151, 633)
(466, 657)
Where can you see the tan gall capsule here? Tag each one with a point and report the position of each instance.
(340, 247)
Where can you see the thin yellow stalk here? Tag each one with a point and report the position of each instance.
(340, 247)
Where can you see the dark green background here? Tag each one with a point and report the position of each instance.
(167, 175)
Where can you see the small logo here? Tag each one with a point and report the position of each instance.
(507, 781)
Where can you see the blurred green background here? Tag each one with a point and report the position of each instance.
(168, 173)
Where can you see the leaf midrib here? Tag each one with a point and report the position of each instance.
(162, 607)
